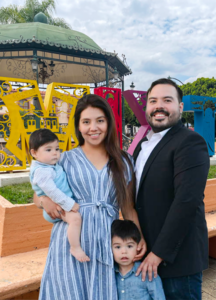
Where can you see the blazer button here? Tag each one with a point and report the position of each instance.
(165, 264)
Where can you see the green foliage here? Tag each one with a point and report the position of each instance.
(212, 172)
(200, 87)
(209, 104)
(15, 14)
(18, 193)
(189, 117)
(129, 115)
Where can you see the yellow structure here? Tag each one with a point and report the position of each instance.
(20, 117)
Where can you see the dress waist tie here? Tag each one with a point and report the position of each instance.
(102, 229)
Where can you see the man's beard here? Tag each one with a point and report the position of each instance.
(159, 126)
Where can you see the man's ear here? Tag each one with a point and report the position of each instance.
(181, 106)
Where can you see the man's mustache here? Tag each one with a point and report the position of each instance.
(159, 111)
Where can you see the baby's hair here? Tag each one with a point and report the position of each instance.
(41, 137)
(125, 229)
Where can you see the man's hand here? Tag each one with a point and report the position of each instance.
(52, 209)
(75, 208)
(141, 249)
(150, 265)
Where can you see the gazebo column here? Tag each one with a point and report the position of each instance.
(107, 74)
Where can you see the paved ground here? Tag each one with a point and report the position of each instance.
(209, 281)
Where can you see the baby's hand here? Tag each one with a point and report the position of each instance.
(75, 208)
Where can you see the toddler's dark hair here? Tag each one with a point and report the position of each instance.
(40, 137)
(125, 229)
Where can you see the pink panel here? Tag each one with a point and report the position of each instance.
(137, 102)
(114, 98)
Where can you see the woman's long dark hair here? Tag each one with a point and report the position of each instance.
(116, 164)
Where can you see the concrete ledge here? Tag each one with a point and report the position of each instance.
(21, 273)
(14, 178)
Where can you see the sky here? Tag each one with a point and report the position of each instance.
(159, 38)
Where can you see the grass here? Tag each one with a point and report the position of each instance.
(18, 193)
(23, 193)
(212, 172)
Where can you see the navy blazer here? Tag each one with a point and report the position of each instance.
(170, 203)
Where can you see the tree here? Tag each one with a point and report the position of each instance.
(200, 87)
(130, 118)
(14, 14)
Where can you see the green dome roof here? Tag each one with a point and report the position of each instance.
(40, 17)
(47, 35)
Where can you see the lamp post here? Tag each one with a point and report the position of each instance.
(34, 63)
(43, 74)
(132, 86)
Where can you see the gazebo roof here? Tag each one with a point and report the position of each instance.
(45, 37)
(46, 34)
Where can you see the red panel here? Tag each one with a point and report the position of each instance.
(114, 98)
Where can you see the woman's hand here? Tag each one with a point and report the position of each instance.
(141, 249)
(52, 209)
(76, 207)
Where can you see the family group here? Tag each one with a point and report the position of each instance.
(160, 248)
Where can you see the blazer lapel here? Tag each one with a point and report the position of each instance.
(156, 150)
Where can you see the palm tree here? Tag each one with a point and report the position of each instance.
(16, 14)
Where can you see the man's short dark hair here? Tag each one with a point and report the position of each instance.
(167, 81)
(125, 229)
(41, 137)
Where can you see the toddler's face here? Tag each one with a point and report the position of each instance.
(124, 251)
(48, 153)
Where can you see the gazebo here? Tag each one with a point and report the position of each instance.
(49, 53)
(58, 59)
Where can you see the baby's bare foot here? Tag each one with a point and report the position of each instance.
(79, 254)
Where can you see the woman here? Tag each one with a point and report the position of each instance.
(101, 178)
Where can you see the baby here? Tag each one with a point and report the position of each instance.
(125, 239)
(48, 178)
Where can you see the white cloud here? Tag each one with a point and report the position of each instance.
(159, 38)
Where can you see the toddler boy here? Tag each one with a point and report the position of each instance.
(125, 239)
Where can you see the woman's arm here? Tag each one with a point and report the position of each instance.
(129, 213)
(52, 209)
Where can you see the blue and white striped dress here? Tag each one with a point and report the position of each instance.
(64, 277)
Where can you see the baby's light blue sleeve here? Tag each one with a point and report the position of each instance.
(44, 178)
(155, 288)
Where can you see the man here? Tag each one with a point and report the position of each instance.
(172, 164)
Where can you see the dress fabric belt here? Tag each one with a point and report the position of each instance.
(102, 229)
